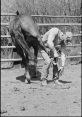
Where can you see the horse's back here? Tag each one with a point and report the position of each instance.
(28, 25)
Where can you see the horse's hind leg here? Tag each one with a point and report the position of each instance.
(27, 75)
(25, 62)
(35, 59)
(27, 71)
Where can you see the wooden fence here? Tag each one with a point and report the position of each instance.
(43, 24)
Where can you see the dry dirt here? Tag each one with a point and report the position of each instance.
(20, 99)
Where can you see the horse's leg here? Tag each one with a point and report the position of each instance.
(27, 71)
(25, 61)
(26, 65)
(35, 59)
(27, 75)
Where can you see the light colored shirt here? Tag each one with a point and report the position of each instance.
(51, 38)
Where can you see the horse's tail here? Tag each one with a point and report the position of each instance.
(17, 37)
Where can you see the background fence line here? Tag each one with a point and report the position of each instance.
(50, 16)
(50, 24)
(8, 36)
(39, 58)
(75, 45)
(42, 24)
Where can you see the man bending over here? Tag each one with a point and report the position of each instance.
(55, 41)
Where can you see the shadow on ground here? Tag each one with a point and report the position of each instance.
(64, 82)
(33, 75)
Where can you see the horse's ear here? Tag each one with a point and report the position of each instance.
(17, 12)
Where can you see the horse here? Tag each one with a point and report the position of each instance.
(25, 34)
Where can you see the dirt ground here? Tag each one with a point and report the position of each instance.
(20, 99)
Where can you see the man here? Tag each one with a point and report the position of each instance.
(51, 40)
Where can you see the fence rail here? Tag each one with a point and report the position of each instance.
(20, 59)
(8, 36)
(50, 24)
(50, 16)
(75, 45)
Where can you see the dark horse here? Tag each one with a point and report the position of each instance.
(24, 33)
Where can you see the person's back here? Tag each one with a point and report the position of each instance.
(51, 39)
(52, 32)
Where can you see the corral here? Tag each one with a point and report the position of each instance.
(20, 99)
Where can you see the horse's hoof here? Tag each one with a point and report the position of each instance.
(27, 81)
